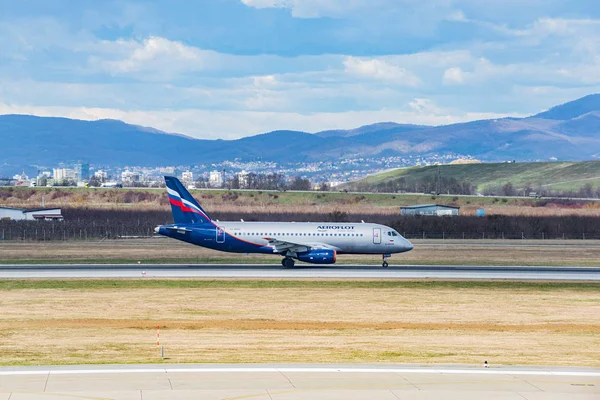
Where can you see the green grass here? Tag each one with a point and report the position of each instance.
(554, 175)
(146, 283)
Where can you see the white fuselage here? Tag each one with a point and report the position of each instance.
(344, 237)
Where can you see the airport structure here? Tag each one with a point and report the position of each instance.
(31, 214)
(429, 209)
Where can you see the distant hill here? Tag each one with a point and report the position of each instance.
(554, 176)
(572, 109)
(380, 128)
(567, 132)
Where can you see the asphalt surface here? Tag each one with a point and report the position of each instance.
(290, 382)
(300, 271)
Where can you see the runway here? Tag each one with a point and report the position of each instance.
(300, 271)
(291, 382)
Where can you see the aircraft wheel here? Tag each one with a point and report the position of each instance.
(385, 264)
(287, 262)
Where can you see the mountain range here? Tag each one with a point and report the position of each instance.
(570, 131)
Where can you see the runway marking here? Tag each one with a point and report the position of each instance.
(323, 370)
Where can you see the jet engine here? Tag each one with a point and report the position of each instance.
(318, 256)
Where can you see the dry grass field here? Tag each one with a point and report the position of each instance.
(73, 322)
(431, 252)
(249, 202)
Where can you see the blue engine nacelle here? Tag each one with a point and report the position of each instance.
(318, 256)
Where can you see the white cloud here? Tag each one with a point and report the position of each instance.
(153, 54)
(266, 3)
(380, 70)
(319, 8)
(264, 81)
(453, 76)
(545, 27)
(424, 106)
(247, 94)
(457, 16)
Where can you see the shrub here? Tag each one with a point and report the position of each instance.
(337, 216)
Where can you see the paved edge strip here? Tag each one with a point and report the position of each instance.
(299, 267)
(439, 371)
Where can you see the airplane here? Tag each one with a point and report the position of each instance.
(310, 242)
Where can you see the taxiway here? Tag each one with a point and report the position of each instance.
(291, 382)
(300, 271)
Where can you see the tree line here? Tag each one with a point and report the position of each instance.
(258, 181)
(427, 184)
(450, 185)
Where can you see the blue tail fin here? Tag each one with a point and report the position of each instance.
(185, 208)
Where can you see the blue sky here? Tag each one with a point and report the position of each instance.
(233, 68)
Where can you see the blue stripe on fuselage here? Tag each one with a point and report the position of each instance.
(205, 235)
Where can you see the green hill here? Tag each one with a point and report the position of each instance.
(524, 177)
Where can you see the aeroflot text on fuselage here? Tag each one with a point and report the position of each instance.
(349, 227)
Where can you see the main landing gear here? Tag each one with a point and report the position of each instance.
(384, 258)
(287, 262)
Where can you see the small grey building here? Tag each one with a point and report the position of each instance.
(31, 214)
(429, 209)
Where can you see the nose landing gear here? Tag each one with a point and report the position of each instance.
(384, 258)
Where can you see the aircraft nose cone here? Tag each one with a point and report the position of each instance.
(407, 245)
(157, 229)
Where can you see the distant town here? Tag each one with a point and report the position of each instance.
(236, 174)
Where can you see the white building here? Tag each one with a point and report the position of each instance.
(243, 178)
(167, 170)
(32, 214)
(333, 184)
(215, 179)
(187, 177)
(62, 174)
(21, 177)
(101, 175)
(130, 176)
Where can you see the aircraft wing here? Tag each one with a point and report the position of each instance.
(281, 246)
